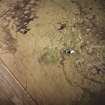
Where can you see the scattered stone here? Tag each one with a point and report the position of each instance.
(62, 26)
(68, 51)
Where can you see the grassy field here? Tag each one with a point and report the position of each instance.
(33, 36)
